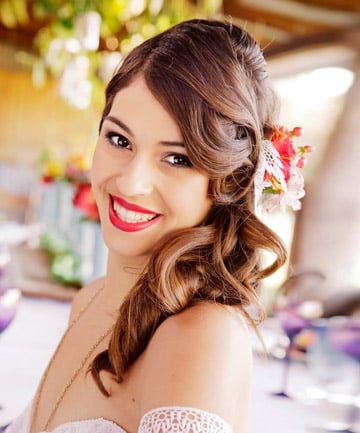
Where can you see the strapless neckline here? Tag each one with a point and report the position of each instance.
(22, 425)
(82, 425)
(165, 418)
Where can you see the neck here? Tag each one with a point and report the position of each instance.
(121, 276)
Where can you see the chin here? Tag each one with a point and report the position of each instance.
(126, 246)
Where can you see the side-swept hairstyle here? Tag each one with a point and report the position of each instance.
(211, 77)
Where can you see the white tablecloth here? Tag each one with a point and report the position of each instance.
(26, 346)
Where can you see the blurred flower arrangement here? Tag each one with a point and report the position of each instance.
(280, 180)
(67, 190)
(75, 169)
(64, 262)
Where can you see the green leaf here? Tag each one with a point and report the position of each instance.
(64, 268)
(55, 243)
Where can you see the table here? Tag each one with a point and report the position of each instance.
(26, 346)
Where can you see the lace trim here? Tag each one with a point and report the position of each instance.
(178, 419)
(270, 162)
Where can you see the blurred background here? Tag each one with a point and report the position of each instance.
(56, 57)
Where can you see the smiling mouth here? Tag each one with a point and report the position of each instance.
(130, 216)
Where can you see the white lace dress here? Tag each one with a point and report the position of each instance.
(170, 419)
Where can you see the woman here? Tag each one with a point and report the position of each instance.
(160, 343)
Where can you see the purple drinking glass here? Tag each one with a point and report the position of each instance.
(9, 296)
(9, 300)
(293, 318)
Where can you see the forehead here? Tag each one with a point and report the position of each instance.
(137, 107)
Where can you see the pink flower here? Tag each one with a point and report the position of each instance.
(302, 150)
(281, 140)
(283, 183)
(301, 162)
(297, 131)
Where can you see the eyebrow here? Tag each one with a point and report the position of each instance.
(122, 125)
(119, 123)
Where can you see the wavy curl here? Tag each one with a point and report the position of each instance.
(211, 77)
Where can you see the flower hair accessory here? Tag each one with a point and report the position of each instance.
(279, 181)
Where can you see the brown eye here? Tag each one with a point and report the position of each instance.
(179, 160)
(117, 140)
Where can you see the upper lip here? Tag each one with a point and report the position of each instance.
(131, 206)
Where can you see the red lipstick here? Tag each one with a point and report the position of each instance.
(124, 225)
(131, 206)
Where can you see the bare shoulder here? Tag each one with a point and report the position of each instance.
(201, 358)
(208, 323)
(82, 297)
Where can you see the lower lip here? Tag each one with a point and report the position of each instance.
(128, 227)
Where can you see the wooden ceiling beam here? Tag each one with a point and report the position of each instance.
(295, 26)
(338, 5)
(22, 38)
(349, 37)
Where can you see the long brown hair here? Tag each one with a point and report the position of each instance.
(211, 77)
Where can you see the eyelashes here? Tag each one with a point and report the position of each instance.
(178, 160)
(117, 140)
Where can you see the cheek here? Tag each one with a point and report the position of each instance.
(191, 198)
(99, 174)
(101, 166)
(95, 166)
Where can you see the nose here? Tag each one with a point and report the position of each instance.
(137, 178)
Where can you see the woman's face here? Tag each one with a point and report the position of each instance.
(143, 181)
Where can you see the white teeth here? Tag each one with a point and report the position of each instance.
(130, 216)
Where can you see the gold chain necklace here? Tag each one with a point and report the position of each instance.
(75, 373)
